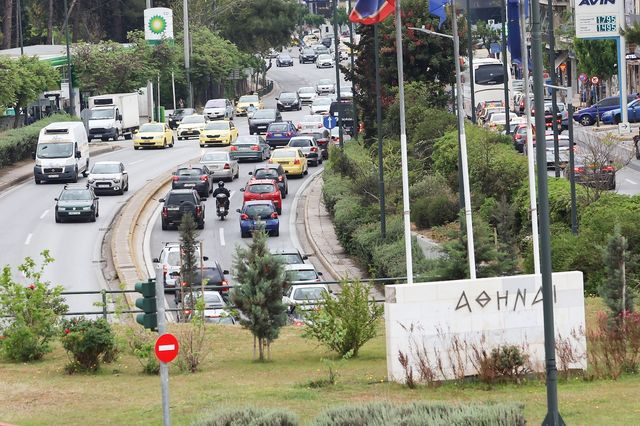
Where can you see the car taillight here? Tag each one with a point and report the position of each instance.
(165, 212)
(518, 136)
(176, 178)
(187, 311)
(299, 126)
(255, 148)
(234, 148)
(521, 104)
(533, 111)
(608, 169)
(274, 215)
(198, 210)
(244, 216)
(183, 283)
(270, 161)
(280, 178)
(204, 178)
(578, 169)
(289, 133)
(224, 283)
(296, 161)
(314, 149)
(319, 125)
(269, 134)
(227, 166)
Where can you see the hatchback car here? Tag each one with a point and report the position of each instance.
(292, 161)
(307, 55)
(591, 174)
(76, 202)
(289, 101)
(305, 297)
(221, 165)
(256, 215)
(307, 94)
(216, 109)
(275, 172)
(179, 202)
(322, 137)
(303, 273)
(325, 86)
(109, 177)
(153, 135)
(289, 256)
(207, 276)
(324, 61)
(284, 60)
(263, 189)
(587, 116)
(192, 177)
(260, 120)
(321, 106)
(311, 123)
(218, 133)
(191, 126)
(250, 147)
(246, 101)
(309, 148)
(279, 134)
(176, 117)
(214, 305)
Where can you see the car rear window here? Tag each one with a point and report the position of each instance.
(194, 171)
(278, 127)
(215, 156)
(306, 275)
(212, 275)
(215, 103)
(175, 199)
(313, 293)
(173, 259)
(283, 154)
(263, 113)
(266, 174)
(260, 188)
(300, 143)
(260, 211)
(288, 258)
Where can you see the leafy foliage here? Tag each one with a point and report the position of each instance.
(596, 57)
(88, 343)
(247, 416)
(615, 290)
(487, 35)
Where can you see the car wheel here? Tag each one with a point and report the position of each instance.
(121, 191)
(276, 233)
(306, 172)
(74, 179)
(586, 120)
(179, 138)
(201, 145)
(93, 217)
(104, 139)
(37, 182)
(172, 141)
(136, 147)
(237, 173)
(201, 224)
(164, 143)
(126, 188)
(57, 218)
(244, 234)
(279, 210)
(617, 119)
(165, 226)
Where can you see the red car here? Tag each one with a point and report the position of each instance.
(263, 189)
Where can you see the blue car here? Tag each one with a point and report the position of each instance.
(279, 134)
(257, 214)
(587, 116)
(613, 116)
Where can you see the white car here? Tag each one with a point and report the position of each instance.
(321, 106)
(191, 126)
(167, 265)
(325, 86)
(220, 165)
(324, 61)
(214, 306)
(304, 297)
(498, 120)
(346, 92)
(109, 176)
(218, 108)
(307, 94)
(302, 273)
(311, 122)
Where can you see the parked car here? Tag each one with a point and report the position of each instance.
(218, 133)
(256, 215)
(153, 135)
(309, 148)
(247, 100)
(259, 122)
(292, 160)
(307, 94)
(250, 147)
(307, 55)
(218, 109)
(179, 202)
(614, 116)
(324, 61)
(279, 134)
(263, 189)
(587, 116)
(109, 177)
(176, 117)
(289, 101)
(191, 126)
(221, 166)
(76, 202)
(275, 172)
(192, 177)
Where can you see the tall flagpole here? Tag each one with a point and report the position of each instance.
(403, 148)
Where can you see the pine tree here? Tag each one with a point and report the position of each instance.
(189, 261)
(258, 294)
(614, 289)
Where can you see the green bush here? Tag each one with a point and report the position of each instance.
(19, 144)
(88, 342)
(389, 259)
(434, 210)
(334, 188)
(429, 185)
(349, 215)
(248, 416)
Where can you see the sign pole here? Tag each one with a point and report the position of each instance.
(622, 82)
(164, 367)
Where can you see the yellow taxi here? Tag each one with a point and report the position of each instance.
(153, 134)
(245, 101)
(218, 133)
(292, 161)
(191, 126)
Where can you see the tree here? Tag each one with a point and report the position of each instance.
(258, 295)
(7, 24)
(188, 260)
(486, 34)
(7, 78)
(614, 289)
(31, 77)
(596, 57)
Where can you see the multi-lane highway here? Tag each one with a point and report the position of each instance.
(27, 223)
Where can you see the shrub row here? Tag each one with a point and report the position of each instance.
(18, 144)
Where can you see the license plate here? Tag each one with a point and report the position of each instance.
(103, 185)
(189, 185)
(173, 208)
(74, 213)
(54, 176)
(277, 134)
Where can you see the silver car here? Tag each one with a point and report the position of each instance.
(325, 86)
(307, 94)
(324, 61)
(218, 108)
(321, 106)
(109, 176)
(220, 165)
(309, 147)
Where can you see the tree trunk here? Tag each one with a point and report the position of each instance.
(7, 24)
(76, 22)
(254, 347)
(118, 32)
(50, 23)
(261, 348)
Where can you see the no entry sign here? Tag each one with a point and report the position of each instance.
(595, 80)
(167, 347)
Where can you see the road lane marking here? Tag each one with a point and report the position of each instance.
(222, 242)
(631, 182)
(44, 214)
(231, 194)
(28, 240)
(136, 162)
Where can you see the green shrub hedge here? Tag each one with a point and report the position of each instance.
(434, 210)
(18, 144)
(248, 416)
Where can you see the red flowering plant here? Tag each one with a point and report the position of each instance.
(88, 343)
(32, 312)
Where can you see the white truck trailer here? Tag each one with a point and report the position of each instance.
(113, 115)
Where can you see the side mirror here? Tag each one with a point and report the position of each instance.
(33, 155)
(156, 260)
(225, 272)
(277, 99)
(97, 198)
(119, 117)
(161, 200)
(305, 257)
(319, 273)
(135, 132)
(241, 189)
(205, 258)
(330, 291)
(238, 210)
(78, 154)
(55, 199)
(250, 173)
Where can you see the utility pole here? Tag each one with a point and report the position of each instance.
(187, 51)
(337, 60)
(554, 95)
(376, 56)
(355, 109)
(19, 26)
(72, 108)
(471, 76)
(505, 67)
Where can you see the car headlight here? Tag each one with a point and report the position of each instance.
(108, 126)
(91, 180)
(86, 208)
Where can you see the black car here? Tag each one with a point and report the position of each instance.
(284, 60)
(176, 117)
(260, 120)
(275, 172)
(76, 202)
(208, 276)
(193, 177)
(289, 101)
(327, 41)
(179, 202)
(307, 55)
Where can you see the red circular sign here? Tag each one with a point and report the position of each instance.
(595, 80)
(167, 347)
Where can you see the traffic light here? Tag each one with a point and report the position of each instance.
(147, 303)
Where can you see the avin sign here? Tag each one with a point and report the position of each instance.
(599, 18)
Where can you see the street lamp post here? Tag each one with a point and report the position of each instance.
(355, 110)
(72, 108)
(337, 60)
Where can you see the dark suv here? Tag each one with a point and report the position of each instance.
(212, 276)
(275, 172)
(192, 177)
(179, 202)
(76, 202)
(260, 120)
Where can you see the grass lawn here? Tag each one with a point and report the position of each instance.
(41, 393)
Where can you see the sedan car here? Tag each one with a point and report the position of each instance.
(250, 147)
(307, 55)
(192, 177)
(309, 148)
(307, 94)
(261, 119)
(218, 133)
(150, 135)
(208, 276)
(321, 106)
(274, 172)
(292, 161)
(218, 109)
(191, 126)
(221, 165)
(324, 61)
(256, 215)
(247, 100)
(279, 134)
(176, 117)
(325, 86)
(76, 202)
(289, 101)
(311, 123)
(179, 202)
(263, 189)
(109, 176)
(591, 174)
(284, 60)
(615, 115)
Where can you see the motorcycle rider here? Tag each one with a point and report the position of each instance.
(222, 190)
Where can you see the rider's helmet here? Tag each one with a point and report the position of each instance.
(221, 184)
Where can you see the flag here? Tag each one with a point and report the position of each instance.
(370, 12)
(437, 8)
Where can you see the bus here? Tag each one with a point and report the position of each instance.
(488, 74)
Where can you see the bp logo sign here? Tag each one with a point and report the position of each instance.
(158, 24)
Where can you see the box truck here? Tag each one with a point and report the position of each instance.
(113, 115)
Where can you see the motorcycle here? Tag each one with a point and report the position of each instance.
(222, 206)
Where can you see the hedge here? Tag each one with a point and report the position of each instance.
(19, 144)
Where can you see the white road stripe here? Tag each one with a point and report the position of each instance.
(28, 240)
(44, 214)
(631, 182)
(222, 241)
(162, 348)
(136, 162)
(231, 194)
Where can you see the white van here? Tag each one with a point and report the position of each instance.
(62, 152)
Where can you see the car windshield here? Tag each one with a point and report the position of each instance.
(325, 82)
(312, 119)
(498, 117)
(301, 275)
(215, 103)
(312, 293)
(210, 275)
(491, 74)
(215, 156)
(324, 57)
(76, 194)
(264, 113)
(261, 188)
(217, 125)
(322, 101)
(287, 95)
(105, 168)
(260, 211)
(288, 258)
(308, 51)
(298, 143)
(173, 258)
(279, 153)
(249, 98)
(213, 299)
(194, 171)
(266, 174)
(278, 127)
(99, 114)
(193, 119)
(247, 140)
(284, 56)
(55, 150)
(152, 128)
(307, 90)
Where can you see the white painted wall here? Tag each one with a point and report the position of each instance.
(486, 312)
